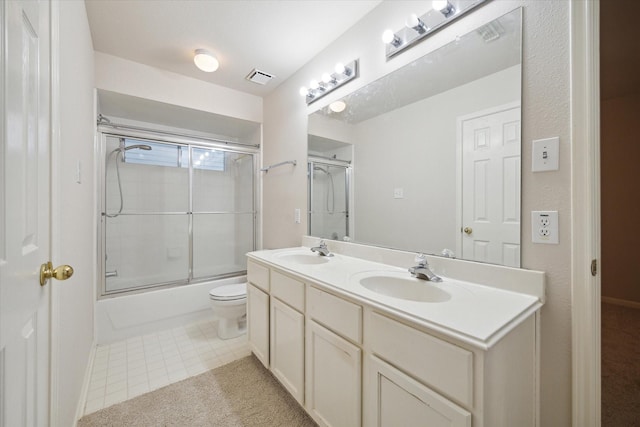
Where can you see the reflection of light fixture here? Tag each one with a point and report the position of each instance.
(205, 60)
(337, 106)
(416, 24)
(389, 37)
(330, 81)
(444, 7)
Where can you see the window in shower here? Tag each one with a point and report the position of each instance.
(329, 199)
(175, 213)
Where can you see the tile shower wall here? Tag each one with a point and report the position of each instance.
(145, 247)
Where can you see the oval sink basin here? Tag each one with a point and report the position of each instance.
(407, 288)
(308, 259)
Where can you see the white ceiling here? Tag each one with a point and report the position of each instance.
(274, 36)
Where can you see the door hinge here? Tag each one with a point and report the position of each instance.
(594, 267)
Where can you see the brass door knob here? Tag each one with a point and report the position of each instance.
(62, 272)
(468, 230)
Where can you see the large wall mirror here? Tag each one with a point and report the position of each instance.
(427, 158)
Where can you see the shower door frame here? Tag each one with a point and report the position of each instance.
(163, 137)
(346, 164)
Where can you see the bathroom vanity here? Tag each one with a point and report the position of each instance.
(357, 341)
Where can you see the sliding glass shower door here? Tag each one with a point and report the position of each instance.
(174, 213)
(329, 200)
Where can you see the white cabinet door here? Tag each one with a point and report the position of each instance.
(394, 399)
(333, 382)
(258, 323)
(287, 348)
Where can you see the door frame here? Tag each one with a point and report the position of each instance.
(459, 162)
(585, 211)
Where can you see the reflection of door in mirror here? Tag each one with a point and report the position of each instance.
(329, 172)
(490, 193)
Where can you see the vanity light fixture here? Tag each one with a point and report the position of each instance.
(330, 81)
(418, 27)
(205, 60)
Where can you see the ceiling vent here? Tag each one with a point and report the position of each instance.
(259, 77)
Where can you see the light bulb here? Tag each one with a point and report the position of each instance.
(205, 61)
(439, 4)
(444, 7)
(337, 106)
(313, 84)
(389, 37)
(326, 78)
(304, 91)
(412, 21)
(415, 24)
(339, 68)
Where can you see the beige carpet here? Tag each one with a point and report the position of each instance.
(620, 366)
(242, 393)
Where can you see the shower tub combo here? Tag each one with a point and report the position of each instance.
(177, 217)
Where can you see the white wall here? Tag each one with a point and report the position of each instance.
(545, 112)
(131, 78)
(73, 210)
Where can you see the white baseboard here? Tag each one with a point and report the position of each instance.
(622, 302)
(85, 386)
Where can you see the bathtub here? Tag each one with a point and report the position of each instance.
(128, 316)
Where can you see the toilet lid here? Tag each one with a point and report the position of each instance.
(229, 292)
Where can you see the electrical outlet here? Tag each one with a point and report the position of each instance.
(544, 227)
(296, 215)
(398, 193)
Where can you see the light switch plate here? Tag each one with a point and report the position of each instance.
(296, 215)
(546, 154)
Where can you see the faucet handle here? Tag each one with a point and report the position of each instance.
(421, 259)
(322, 244)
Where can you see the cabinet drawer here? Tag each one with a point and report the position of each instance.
(258, 275)
(443, 366)
(288, 290)
(343, 317)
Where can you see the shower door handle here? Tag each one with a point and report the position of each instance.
(47, 271)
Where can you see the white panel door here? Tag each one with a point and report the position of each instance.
(24, 204)
(490, 230)
(258, 323)
(333, 378)
(287, 347)
(395, 399)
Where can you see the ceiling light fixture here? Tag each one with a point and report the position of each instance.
(205, 60)
(418, 27)
(338, 106)
(330, 81)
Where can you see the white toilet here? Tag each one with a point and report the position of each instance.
(229, 304)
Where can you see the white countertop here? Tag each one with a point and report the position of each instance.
(477, 314)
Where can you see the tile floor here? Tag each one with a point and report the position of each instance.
(125, 369)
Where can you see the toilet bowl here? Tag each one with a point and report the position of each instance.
(229, 305)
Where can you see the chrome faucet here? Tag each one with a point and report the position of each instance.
(422, 271)
(322, 249)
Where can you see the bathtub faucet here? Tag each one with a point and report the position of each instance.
(322, 249)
